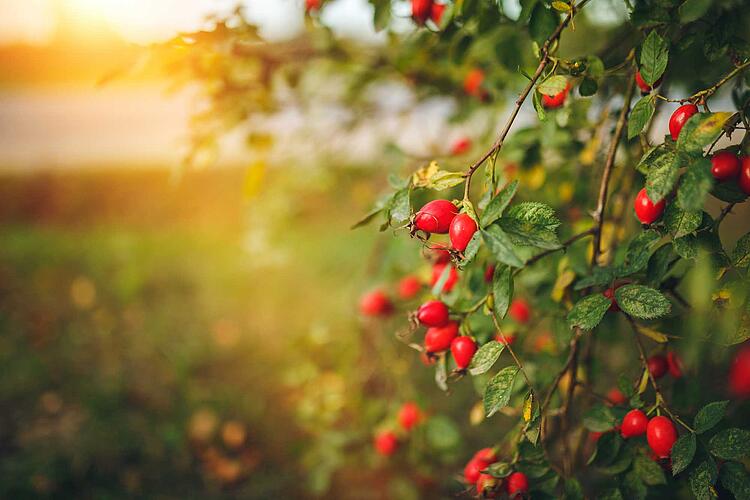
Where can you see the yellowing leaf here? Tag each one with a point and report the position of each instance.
(644, 382)
(563, 281)
(565, 191)
(535, 177)
(476, 415)
(561, 6)
(421, 177)
(587, 156)
(527, 404)
(654, 335)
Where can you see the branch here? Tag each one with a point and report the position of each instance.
(543, 62)
(564, 245)
(609, 163)
(705, 93)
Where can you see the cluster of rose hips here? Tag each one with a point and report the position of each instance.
(422, 10)
(660, 431)
(726, 166)
(487, 486)
(409, 416)
(659, 365)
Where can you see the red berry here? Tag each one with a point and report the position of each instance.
(461, 146)
(487, 455)
(516, 484)
(679, 118)
(744, 180)
(645, 209)
(489, 273)
(661, 435)
(409, 287)
(420, 10)
(311, 5)
(520, 311)
(461, 231)
(409, 415)
(634, 424)
(507, 339)
(439, 338)
(440, 254)
(645, 87)
(674, 363)
(486, 485)
(386, 443)
(594, 436)
(725, 165)
(437, 272)
(739, 374)
(436, 12)
(463, 349)
(435, 216)
(657, 365)
(375, 303)
(472, 468)
(426, 359)
(557, 100)
(616, 397)
(433, 313)
(473, 82)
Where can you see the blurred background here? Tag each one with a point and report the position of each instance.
(178, 296)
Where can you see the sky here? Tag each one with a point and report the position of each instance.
(144, 21)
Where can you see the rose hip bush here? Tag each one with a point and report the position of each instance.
(577, 270)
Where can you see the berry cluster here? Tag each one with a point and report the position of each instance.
(409, 416)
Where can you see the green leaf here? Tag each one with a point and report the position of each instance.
(497, 205)
(733, 477)
(680, 222)
(683, 452)
(553, 85)
(686, 247)
(527, 233)
(498, 390)
(632, 487)
(730, 444)
(381, 16)
(729, 192)
(541, 113)
(542, 23)
(607, 448)
(471, 250)
(702, 479)
(654, 57)
(695, 186)
(640, 115)
(501, 246)
(599, 418)
(502, 290)
(498, 470)
(443, 180)
(649, 471)
(588, 87)
(700, 131)
(589, 311)
(442, 433)
(599, 276)
(662, 176)
(639, 251)
(741, 253)
(538, 213)
(652, 155)
(658, 265)
(693, 10)
(401, 206)
(709, 416)
(573, 490)
(642, 302)
(485, 357)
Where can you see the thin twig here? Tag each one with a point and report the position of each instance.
(543, 62)
(705, 93)
(563, 246)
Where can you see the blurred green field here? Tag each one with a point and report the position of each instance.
(140, 313)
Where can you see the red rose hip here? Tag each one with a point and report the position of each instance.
(674, 364)
(420, 10)
(739, 374)
(409, 287)
(312, 5)
(473, 82)
(645, 87)
(435, 216)
(439, 338)
(375, 303)
(450, 282)
(646, 210)
(486, 485)
(386, 443)
(433, 313)
(520, 311)
(634, 424)
(616, 397)
(463, 349)
(725, 165)
(436, 12)
(461, 146)
(679, 118)
(409, 415)
(744, 180)
(658, 366)
(517, 484)
(461, 231)
(661, 435)
(557, 100)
